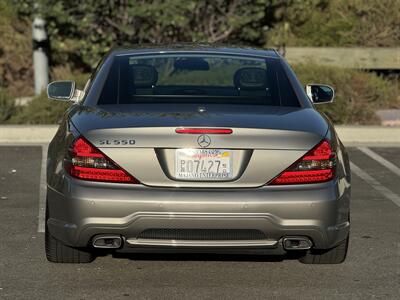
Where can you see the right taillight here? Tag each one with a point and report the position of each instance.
(88, 163)
(317, 165)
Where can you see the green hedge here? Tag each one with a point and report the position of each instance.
(357, 94)
(40, 110)
(7, 106)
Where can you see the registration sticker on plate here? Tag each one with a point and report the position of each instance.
(203, 164)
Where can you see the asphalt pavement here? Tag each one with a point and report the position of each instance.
(372, 268)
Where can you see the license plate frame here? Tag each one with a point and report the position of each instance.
(203, 164)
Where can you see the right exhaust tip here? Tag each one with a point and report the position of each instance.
(296, 243)
(107, 241)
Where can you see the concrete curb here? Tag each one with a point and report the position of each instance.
(27, 134)
(378, 135)
(369, 135)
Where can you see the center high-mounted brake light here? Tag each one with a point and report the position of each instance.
(317, 165)
(89, 163)
(204, 130)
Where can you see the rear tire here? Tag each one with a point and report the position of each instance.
(334, 255)
(58, 252)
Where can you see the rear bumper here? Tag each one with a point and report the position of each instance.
(84, 209)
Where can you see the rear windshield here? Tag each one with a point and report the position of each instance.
(197, 78)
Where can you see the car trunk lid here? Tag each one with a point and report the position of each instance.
(143, 140)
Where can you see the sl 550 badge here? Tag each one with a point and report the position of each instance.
(117, 142)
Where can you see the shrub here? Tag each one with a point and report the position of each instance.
(358, 94)
(40, 110)
(7, 107)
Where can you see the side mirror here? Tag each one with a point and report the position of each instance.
(61, 90)
(320, 93)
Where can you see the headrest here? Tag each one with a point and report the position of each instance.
(250, 78)
(144, 75)
(191, 64)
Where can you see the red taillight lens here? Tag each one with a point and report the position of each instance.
(204, 130)
(318, 165)
(89, 163)
(83, 148)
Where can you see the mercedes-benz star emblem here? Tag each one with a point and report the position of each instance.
(204, 141)
(201, 109)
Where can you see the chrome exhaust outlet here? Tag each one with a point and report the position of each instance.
(296, 243)
(107, 241)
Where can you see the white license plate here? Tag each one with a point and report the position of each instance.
(203, 164)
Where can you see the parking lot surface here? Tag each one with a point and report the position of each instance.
(372, 268)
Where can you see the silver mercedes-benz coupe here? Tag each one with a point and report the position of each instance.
(196, 148)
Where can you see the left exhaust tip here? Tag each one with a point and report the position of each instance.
(296, 243)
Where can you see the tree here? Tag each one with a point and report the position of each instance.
(82, 31)
(335, 23)
(15, 52)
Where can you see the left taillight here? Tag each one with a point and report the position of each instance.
(317, 165)
(89, 163)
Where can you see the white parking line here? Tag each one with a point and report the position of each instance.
(43, 184)
(388, 194)
(42, 191)
(392, 167)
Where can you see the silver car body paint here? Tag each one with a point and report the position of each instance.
(265, 141)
